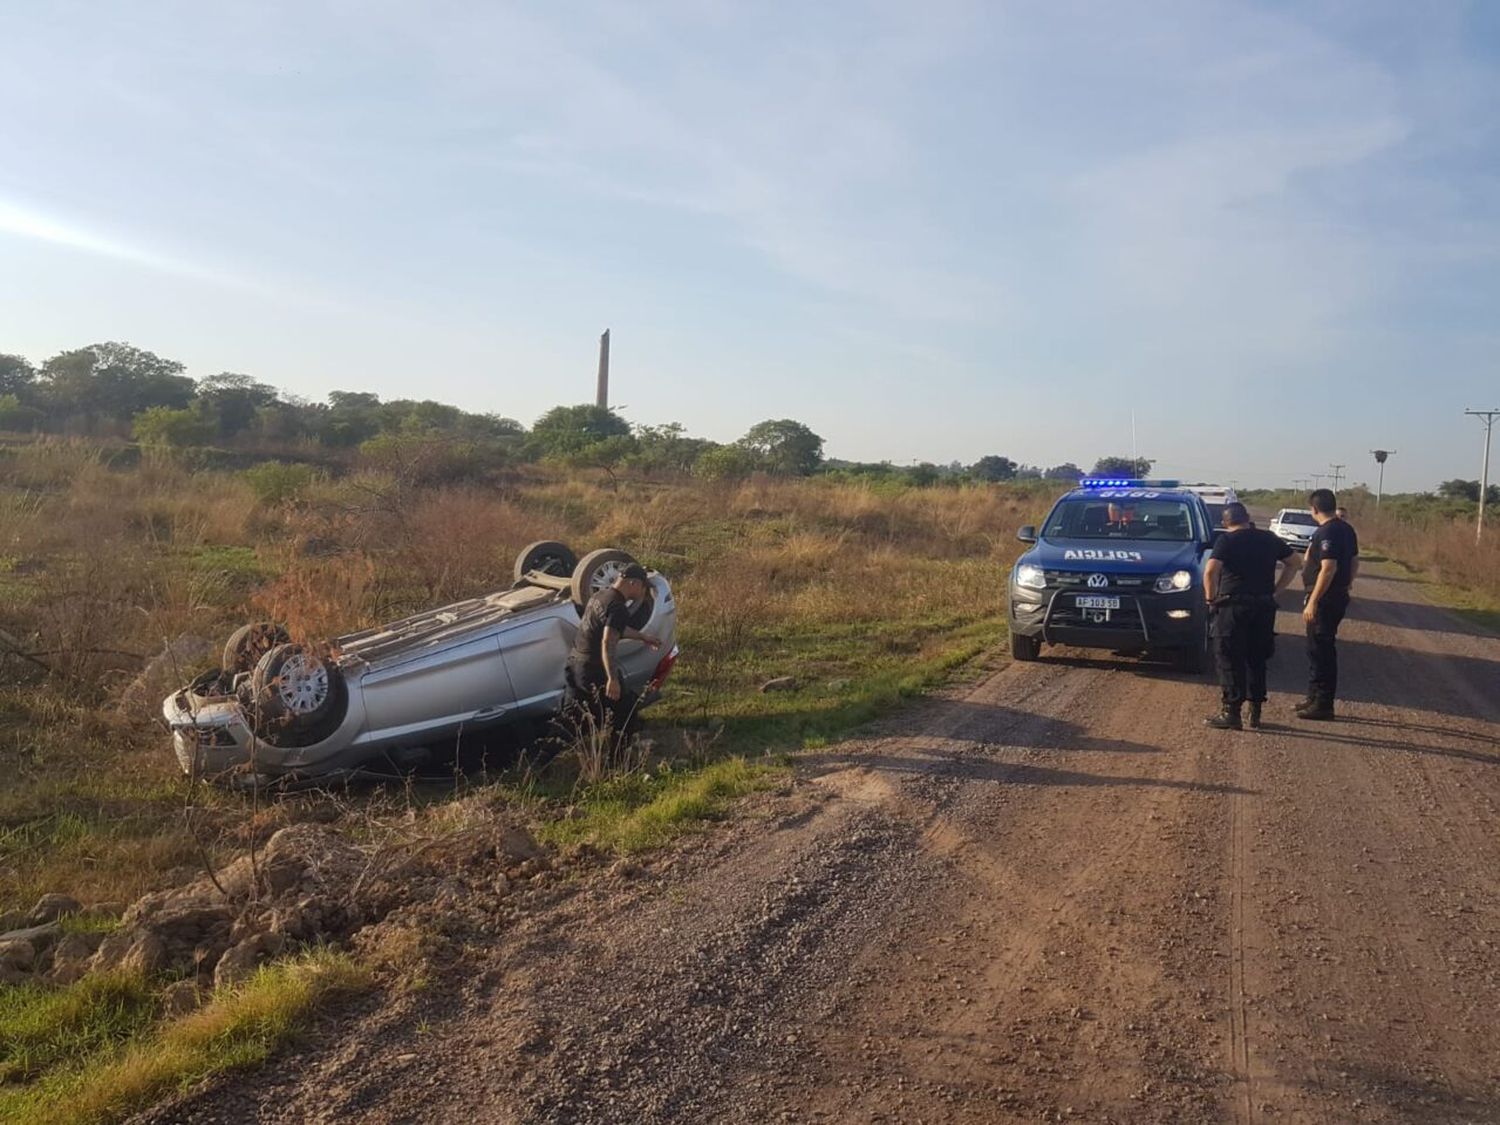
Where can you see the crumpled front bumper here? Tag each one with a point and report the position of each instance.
(209, 738)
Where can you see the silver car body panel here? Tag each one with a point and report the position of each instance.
(419, 681)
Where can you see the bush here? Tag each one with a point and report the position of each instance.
(725, 462)
(276, 482)
(173, 429)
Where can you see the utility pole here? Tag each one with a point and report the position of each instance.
(1484, 474)
(601, 396)
(1337, 474)
(1380, 456)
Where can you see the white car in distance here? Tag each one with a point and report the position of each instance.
(1294, 527)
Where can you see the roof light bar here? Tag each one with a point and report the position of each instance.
(1124, 482)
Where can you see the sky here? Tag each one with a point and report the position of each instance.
(1268, 232)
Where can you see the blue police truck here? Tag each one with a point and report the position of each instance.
(1117, 565)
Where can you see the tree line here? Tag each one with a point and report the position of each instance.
(116, 390)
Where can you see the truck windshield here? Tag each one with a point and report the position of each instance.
(1120, 519)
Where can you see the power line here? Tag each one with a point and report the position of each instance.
(1337, 474)
(1484, 473)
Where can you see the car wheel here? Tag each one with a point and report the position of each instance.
(1024, 648)
(299, 694)
(248, 643)
(597, 571)
(546, 557)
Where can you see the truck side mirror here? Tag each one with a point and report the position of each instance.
(1027, 534)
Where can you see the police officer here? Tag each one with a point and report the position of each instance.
(1327, 572)
(1241, 583)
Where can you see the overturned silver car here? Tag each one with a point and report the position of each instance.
(385, 697)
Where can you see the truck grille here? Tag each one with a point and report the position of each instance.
(1078, 580)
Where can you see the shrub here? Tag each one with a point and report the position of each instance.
(276, 482)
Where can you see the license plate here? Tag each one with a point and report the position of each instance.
(1089, 601)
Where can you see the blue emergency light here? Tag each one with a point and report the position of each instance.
(1124, 482)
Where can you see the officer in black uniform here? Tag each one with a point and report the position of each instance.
(1331, 563)
(1241, 584)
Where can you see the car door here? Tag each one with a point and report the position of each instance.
(459, 683)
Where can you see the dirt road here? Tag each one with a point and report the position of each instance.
(1055, 897)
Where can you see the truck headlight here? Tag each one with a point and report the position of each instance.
(1176, 581)
(1032, 577)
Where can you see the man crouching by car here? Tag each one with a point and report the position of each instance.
(596, 691)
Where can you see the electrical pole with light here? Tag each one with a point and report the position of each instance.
(1380, 456)
(1484, 474)
(1337, 474)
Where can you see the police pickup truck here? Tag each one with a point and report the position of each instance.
(1118, 565)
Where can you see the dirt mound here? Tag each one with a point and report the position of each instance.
(309, 884)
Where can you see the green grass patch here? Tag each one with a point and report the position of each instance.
(642, 810)
(43, 1028)
(109, 1077)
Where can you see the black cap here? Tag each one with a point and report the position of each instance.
(636, 572)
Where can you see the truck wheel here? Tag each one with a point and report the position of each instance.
(300, 694)
(597, 571)
(1024, 648)
(1194, 660)
(248, 643)
(547, 557)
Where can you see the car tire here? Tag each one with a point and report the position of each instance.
(300, 695)
(248, 643)
(1024, 648)
(596, 571)
(1194, 660)
(546, 556)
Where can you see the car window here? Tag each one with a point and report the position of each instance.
(1301, 518)
(1101, 518)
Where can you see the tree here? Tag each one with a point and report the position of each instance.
(231, 402)
(1122, 467)
(15, 415)
(1066, 471)
(1468, 490)
(566, 430)
(993, 468)
(111, 382)
(666, 448)
(784, 446)
(17, 376)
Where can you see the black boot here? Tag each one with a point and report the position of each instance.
(1254, 719)
(1317, 710)
(1228, 718)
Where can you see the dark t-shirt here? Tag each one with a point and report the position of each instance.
(1249, 557)
(606, 609)
(1333, 540)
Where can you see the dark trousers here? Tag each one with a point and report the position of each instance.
(1322, 646)
(588, 710)
(1244, 637)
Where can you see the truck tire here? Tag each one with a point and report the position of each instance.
(546, 556)
(1194, 659)
(596, 571)
(300, 695)
(1024, 648)
(248, 643)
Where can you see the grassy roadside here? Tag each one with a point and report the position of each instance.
(866, 596)
(100, 1053)
(1474, 606)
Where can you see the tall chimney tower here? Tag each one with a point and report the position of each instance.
(601, 398)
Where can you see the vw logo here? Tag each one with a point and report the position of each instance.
(1097, 581)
